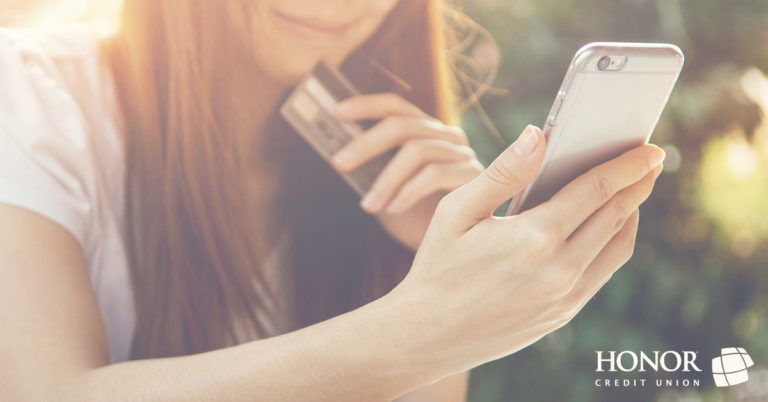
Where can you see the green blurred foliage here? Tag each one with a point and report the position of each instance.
(699, 277)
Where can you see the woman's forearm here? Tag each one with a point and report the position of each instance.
(365, 354)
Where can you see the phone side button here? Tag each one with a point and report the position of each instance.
(555, 111)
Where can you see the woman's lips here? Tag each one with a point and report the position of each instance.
(312, 30)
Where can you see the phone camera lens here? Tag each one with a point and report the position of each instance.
(604, 63)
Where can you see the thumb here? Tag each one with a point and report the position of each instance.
(506, 176)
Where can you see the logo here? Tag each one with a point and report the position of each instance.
(670, 368)
(731, 367)
(630, 361)
(657, 364)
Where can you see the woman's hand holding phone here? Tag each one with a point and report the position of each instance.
(433, 159)
(483, 287)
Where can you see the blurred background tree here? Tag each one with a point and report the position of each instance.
(699, 277)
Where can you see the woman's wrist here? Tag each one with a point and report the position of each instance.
(378, 351)
(390, 341)
(416, 342)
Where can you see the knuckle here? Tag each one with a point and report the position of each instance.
(468, 153)
(394, 125)
(602, 189)
(401, 128)
(568, 307)
(431, 170)
(618, 215)
(566, 311)
(413, 149)
(447, 204)
(392, 130)
(543, 235)
(569, 276)
(559, 311)
(575, 309)
(458, 134)
(476, 166)
(539, 236)
(558, 287)
(580, 264)
(578, 300)
(563, 321)
(557, 321)
(503, 172)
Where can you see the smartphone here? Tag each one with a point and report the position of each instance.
(309, 111)
(609, 102)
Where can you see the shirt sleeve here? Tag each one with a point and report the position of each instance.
(44, 160)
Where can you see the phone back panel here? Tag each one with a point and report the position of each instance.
(600, 114)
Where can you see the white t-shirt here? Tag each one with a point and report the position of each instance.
(61, 155)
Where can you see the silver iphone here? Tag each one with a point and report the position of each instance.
(609, 102)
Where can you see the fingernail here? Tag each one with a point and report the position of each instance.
(369, 202)
(527, 142)
(656, 157)
(342, 158)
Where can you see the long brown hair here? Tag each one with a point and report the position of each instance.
(196, 272)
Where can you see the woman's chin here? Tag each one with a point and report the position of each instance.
(288, 67)
(289, 74)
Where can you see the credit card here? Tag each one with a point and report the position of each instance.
(309, 110)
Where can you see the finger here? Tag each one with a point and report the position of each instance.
(613, 256)
(592, 236)
(377, 106)
(414, 155)
(506, 176)
(433, 178)
(579, 199)
(390, 133)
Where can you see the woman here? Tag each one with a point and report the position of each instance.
(196, 248)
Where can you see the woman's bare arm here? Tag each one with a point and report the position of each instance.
(53, 345)
(466, 300)
(449, 389)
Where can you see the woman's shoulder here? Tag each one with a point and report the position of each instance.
(58, 131)
(66, 42)
(41, 64)
(56, 85)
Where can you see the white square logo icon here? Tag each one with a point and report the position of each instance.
(731, 367)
